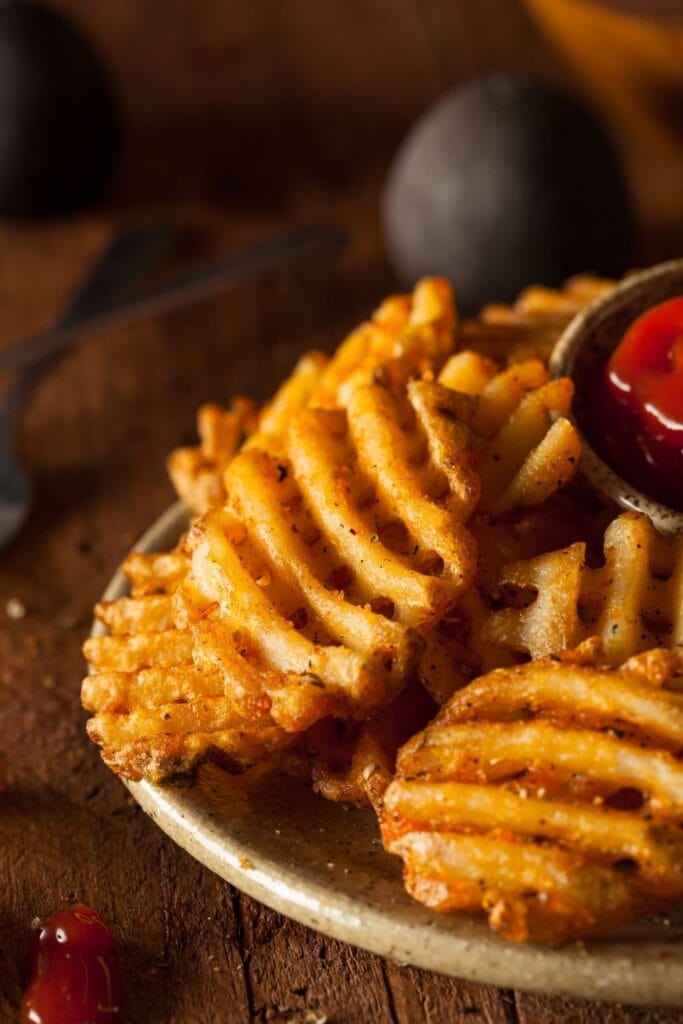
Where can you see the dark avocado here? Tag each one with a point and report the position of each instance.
(58, 123)
(503, 183)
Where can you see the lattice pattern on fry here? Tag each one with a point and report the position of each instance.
(548, 795)
(196, 472)
(633, 601)
(390, 485)
(310, 586)
(155, 713)
(530, 327)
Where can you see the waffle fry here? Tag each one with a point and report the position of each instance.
(632, 602)
(344, 537)
(509, 412)
(155, 713)
(314, 579)
(547, 795)
(342, 531)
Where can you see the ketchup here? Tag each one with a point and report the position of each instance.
(74, 979)
(636, 404)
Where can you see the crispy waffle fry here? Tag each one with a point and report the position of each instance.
(631, 602)
(509, 411)
(312, 582)
(155, 713)
(341, 533)
(547, 795)
(342, 539)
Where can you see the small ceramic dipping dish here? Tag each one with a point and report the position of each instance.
(581, 352)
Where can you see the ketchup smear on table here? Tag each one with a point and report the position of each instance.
(636, 404)
(74, 979)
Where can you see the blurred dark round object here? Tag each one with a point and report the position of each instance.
(58, 124)
(503, 183)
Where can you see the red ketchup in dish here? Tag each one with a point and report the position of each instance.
(637, 404)
(74, 979)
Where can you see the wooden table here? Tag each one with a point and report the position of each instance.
(95, 435)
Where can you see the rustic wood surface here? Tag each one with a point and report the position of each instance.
(291, 131)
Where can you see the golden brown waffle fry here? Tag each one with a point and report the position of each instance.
(155, 713)
(309, 587)
(633, 601)
(341, 533)
(549, 796)
(342, 537)
(530, 327)
(196, 473)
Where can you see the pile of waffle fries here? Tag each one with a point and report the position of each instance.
(399, 534)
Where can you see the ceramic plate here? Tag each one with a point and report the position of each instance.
(322, 864)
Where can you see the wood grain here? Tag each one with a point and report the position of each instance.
(310, 99)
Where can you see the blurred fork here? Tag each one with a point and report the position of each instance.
(105, 301)
(129, 253)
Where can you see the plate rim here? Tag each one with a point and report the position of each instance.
(475, 954)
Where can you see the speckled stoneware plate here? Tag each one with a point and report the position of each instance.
(322, 864)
